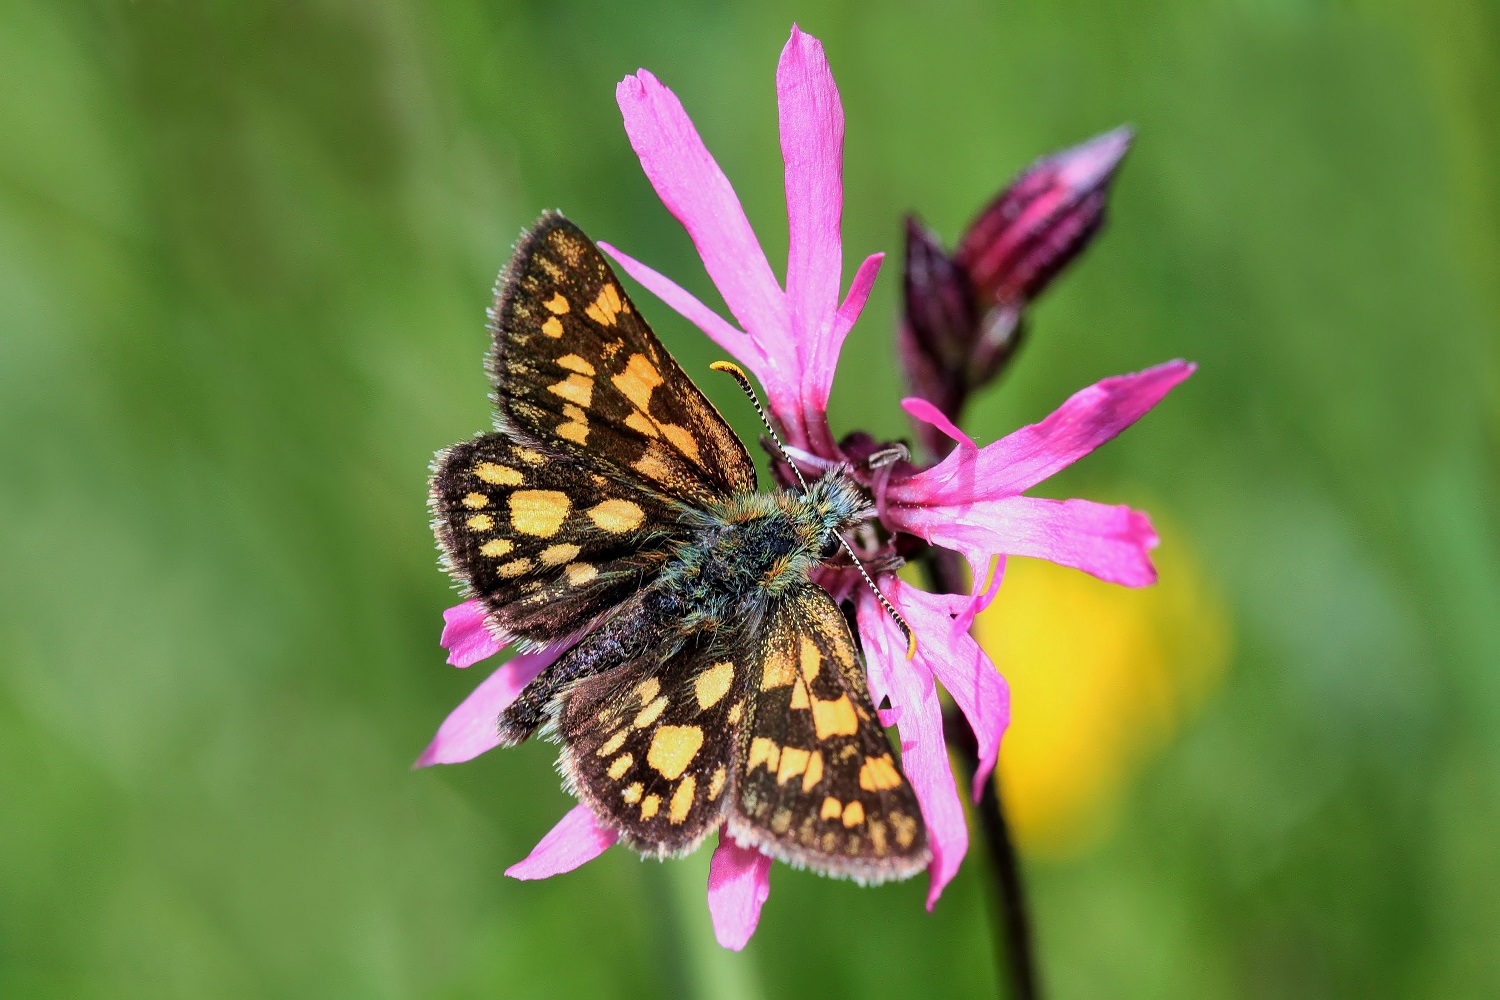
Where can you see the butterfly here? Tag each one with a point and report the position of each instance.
(710, 683)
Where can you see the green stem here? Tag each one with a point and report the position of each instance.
(1015, 948)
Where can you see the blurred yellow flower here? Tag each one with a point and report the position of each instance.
(1101, 678)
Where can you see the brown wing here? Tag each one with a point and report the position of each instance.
(650, 747)
(576, 368)
(817, 784)
(547, 545)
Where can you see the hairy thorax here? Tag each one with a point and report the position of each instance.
(755, 549)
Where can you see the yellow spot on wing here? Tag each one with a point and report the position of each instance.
(497, 547)
(716, 783)
(652, 465)
(832, 808)
(834, 718)
(854, 814)
(617, 516)
(683, 439)
(529, 456)
(649, 806)
(814, 772)
(682, 800)
(514, 568)
(604, 309)
(632, 792)
(877, 836)
(575, 426)
(476, 501)
(799, 695)
(620, 765)
(539, 512)
(498, 475)
(558, 303)
(713, 683)
(763, 751)
(641, 424)
(793, 763)
(648, 689)
(777, 670)
(637, 381)
(555, 555)
(734, 712)
(879, 773)
(553, 327)
(575, 389)
(580, 573)
(906, 828)
(612, 744)
(481, 522)
(811, 659)
(574, 363)
(673, 749)
(649, 714)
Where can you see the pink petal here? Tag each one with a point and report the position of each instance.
(924, 754)
(854, 302)
(465, 635)
(985, 589)
(470, 729)
(739, 882)
(577, 838)
(695, 190)
(812, 147)
(945, 647)
(1031, 454)
(719, 330)
(929, 414)
(817, 375)
(1111, 542)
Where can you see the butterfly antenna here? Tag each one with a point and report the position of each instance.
(739, 376)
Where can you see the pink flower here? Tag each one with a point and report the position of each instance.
(971, 502)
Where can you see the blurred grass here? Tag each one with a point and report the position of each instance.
(244, 256)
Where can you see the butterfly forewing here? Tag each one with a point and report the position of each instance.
(651, 748)
(817, 783)
(547, 545)
(576, 367)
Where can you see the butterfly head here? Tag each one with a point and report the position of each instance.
(832, 505)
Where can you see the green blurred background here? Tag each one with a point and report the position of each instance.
(245, 252)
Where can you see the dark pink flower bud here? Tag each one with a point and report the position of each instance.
(937, 334)
(1041, 221)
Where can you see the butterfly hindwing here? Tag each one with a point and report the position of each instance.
(650, 748)
(576, 367)
(546, 544)
(817, 784)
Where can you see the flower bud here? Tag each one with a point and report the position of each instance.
(938, 331)
(1041, 221)
(962, 320)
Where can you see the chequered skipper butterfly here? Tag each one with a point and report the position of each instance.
(710, 680)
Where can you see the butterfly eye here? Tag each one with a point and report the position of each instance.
(831, 547)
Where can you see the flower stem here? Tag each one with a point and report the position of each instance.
(1015, 948)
